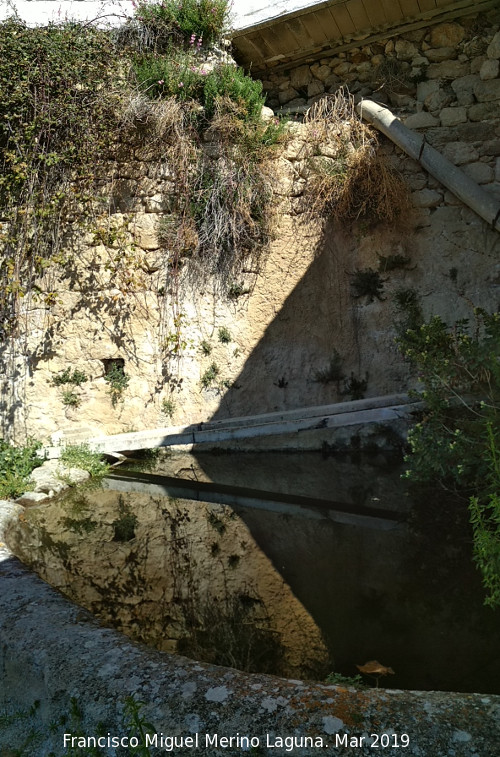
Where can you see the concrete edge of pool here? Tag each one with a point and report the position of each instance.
(52, 650)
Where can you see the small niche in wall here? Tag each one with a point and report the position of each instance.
(113, 366)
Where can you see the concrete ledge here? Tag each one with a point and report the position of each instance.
(52, 650)
(375, 410)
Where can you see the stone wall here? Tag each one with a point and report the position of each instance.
(273, 338)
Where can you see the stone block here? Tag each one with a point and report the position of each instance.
(486, 91)
(497, 169)
(32, 498)
(453, 116)
(476, 63)
(448, 69)
(491, 147)
(144, 231)
(422, 120)
(484, 111)
(321, 72)
(481, 173)
(416, 181)
(342, 69)
(460, 152)
(315, 88)
(489, 70)
(426, 88)
(332, 81)
(493, 50)
(447, 35)
(298, 149)
(426, 198)
(300, 77)
(438, 99)
(464, 89)
(405, 50)
(287, 95)
(297, 105)
(438, 54)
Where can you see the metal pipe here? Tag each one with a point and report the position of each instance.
(481, 202)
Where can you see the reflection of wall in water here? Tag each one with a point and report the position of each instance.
(187, 564)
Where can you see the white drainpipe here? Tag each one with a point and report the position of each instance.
(483, 203)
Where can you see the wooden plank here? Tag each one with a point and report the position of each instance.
(343, 19)
(409, 7)
(316, 29)
(248, 51)
(326, 19)
(280, 40)
(300, 32)
(357, 12)
(426, 5)
(375, 12)
(392, 10)
(262, 48)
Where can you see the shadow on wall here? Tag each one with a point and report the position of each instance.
(324, 343)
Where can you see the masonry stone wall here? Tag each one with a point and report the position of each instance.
(273, 339)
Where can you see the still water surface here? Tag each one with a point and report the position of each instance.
(292, 564)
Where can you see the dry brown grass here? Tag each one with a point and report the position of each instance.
(354, 182)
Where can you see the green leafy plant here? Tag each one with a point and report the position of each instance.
(118, 381)
(138, 726)
(367, 283)
(392, 262)
(210, 375)
(224, 335)
(70, 398)
(168, 407)
(75, 377)
(16, 464)
(337, 679)
(81, 456)
(333, 372)
(206, 347)
(409, 310)
(60, 87)
(456, 445)
(194, 22)
(355, 387)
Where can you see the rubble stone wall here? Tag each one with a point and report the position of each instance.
(272, 340)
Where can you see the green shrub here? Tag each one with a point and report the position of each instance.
(118, 381)
(75, 377)
(231, 83)
(224, 335)
(81, 456)
(367, 283)
(70, 398)
(190, 21)
(177, 74)
(456, 447)
(60, 86)
(16, 464)
(168, 407)
(210, 375)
